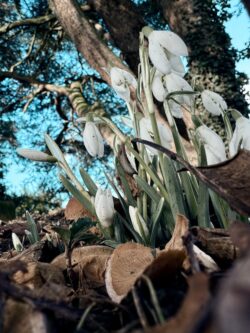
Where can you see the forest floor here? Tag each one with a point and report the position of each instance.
(200, 282)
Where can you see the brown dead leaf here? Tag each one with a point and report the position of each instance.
(180, 230)
(45, 279)
(125, 266)
(75, 210)
(240, 235)
(216, 243)
(230, 179)
(88, 262)
(165, 266)
(191, 310)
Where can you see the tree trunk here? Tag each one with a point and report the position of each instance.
(124, 23)
(211, 57)
(83, 35)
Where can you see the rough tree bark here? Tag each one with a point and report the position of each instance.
(83, 35)
(124, 23)
(212, 60)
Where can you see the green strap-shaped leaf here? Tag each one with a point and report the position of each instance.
(126, 188)
(176, 199)
(54, 149)
(77, 194)
(91, 186)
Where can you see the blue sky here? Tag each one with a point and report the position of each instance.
(238, 28)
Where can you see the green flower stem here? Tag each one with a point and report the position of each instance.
(155, 179)
(115, 129)
(124, 140)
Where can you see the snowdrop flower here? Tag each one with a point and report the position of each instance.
(165, 49)
(138, 222)
(241, 133)
(104, 207)
(146, 133)
(92, 140)
(213, 102)
(176, 83)
(160, 93)
(213, 144)
(18, 246)
(120, 81)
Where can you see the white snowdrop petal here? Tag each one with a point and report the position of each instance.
(171, 41)
(176, 83)
(104, 206)
(158, 88)
(175, 109)
(158, 57)
(214, 146)
(241, 133)
(176, 64)
(120, 81)
(213, 102)
(165, 135)
(93, 140)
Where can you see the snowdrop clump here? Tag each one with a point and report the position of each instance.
(150, 190)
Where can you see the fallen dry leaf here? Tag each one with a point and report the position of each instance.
(75, 210)
(46, 280)
(125, 266)
(216, 243)
(89, 262)
(180, 230)
(191, 310)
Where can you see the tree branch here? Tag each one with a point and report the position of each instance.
(83, 35)
(30, 21)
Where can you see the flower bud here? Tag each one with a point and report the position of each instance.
(92, 140)
(104, 207)
(18, 246)
(36, 155)
(139, 224)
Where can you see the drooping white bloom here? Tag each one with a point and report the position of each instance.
(160, 93)
(138, 222)
(146, 133)
(213, 144)
(213, 102)
(104, 207)
(165, 49)
(176, 83)
(93, 140)
(120, 81)
(18, 246)
(241, 134)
